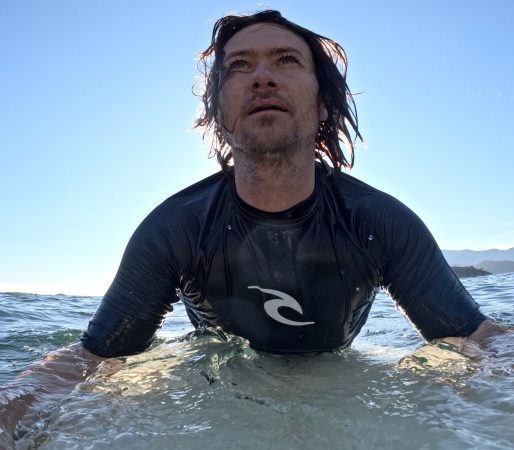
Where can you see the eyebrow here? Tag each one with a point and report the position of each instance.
(272, 52)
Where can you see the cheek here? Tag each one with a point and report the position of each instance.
(227, 101)
(308, 93)
(223, 106)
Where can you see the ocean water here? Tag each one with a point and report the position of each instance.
(388, 391)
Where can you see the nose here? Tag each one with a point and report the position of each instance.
(263, 78)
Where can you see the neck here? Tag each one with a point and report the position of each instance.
(274, 185)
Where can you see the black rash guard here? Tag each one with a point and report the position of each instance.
(301, 280)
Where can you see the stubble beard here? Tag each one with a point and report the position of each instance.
(273, 148)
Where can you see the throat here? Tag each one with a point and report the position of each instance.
(273, 189)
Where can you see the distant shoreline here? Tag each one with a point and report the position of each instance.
(493, 261)
(469, 271)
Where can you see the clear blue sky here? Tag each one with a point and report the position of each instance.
(96, 110)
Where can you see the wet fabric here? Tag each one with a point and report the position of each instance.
(300, 280)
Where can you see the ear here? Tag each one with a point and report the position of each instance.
(322, 111)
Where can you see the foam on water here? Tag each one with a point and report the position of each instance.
(213, 391)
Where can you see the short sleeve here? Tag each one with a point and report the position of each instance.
(420, 281)
(140, 296)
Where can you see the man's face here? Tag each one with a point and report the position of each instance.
(269, 96)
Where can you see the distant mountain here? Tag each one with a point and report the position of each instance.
(496, 266)
(473, 257)
(466, 272)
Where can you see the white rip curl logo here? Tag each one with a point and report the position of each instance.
(284, 301)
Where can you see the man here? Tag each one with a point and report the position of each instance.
(280, 247)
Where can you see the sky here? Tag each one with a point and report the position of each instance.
(96, 114)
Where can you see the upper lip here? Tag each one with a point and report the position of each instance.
(265, 104)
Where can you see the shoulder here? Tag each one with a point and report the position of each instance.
(362, 199)
(382, 224)
(198, 193)
(191, 201)
(183, 213)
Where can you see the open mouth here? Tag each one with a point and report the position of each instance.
(266, 105)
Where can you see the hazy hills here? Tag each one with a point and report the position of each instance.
(493, 261)
(496, 266)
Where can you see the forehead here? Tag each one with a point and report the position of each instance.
(260, 37)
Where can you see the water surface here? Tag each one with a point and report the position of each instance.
(387, 391)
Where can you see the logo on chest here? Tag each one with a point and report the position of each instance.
(271, 307)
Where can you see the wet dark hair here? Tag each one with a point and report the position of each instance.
(330, 66)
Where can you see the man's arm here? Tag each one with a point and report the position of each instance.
(428, 291)
(476, 343)
(46, 381)
(418, 278)
(488, 329)
(143, 290)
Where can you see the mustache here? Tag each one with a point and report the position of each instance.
(247, 105)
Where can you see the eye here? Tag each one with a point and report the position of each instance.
(289, 59)
(238, 65)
